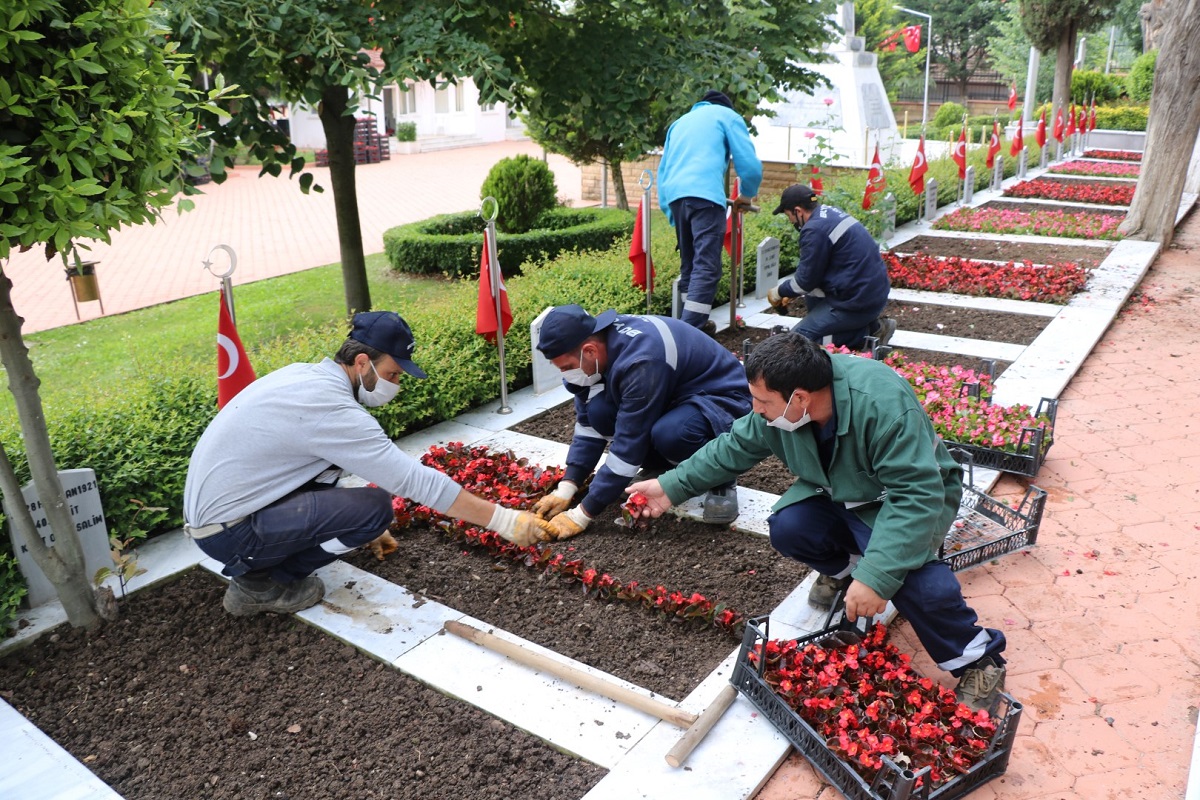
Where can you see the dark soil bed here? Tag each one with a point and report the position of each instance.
(177, 699)
(999, 250)
(628, 640)
(948, 320)
(1021, 205)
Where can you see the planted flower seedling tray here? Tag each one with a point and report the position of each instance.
(1032, 446)
(922, 768)
(986, 528)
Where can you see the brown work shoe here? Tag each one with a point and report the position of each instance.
(245, 596)
(980, 685)
(709, 327)
(826, 589)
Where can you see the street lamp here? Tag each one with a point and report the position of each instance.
(928, 51)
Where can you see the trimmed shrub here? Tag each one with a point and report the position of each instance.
(1086, 84)
(452, 244)
(406, 131)
(1140, 81)
(524, 189)
(948, 115)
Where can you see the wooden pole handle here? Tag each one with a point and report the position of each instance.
(703, 724)
(585, 680)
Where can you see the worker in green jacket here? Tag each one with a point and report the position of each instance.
(876, 492)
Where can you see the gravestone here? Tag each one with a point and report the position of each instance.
(969, 186)
(931, 198)
(767, 271)
(83, 499)
(1022, 163)
(998, 174)
(546, 376)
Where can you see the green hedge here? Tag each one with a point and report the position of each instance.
(451, 244)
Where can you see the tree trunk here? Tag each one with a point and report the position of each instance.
(63, 563)
(339, 141)
(1172, 129)
(1063, 64)
(619, 185)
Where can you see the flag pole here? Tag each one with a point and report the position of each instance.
(495, 276)
(646, 180)
(226, 276)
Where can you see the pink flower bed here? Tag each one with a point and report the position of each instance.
(1114, 155)
(1097, 170)
(1074, 225)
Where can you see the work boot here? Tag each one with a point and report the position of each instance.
(709, 327)
(980, 685)
(825, 589)
(885, 327)
(721, 505)
(246, 596)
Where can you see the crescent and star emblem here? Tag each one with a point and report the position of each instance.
(231, 355)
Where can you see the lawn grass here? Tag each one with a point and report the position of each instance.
(77, 361)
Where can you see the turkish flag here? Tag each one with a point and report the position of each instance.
(912, 38)
(1012, 98)
(234, 372)
(729, 222)
(1018, 142)
(639, 254)
(959, 154)
(1092, 117)
(1040, 134)
(1058, 126)
(876, 181)
(816, 183)
(1081, 120)
(993, 144)
(485, 309)
(916, 175)
(1070, 131)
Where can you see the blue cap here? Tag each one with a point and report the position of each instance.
(388, 333)
(566, 327)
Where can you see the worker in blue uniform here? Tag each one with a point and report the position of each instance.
(653, 390)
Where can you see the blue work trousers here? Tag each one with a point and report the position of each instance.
(825, 324)
(700, 231)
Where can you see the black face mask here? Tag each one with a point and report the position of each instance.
(799, 223)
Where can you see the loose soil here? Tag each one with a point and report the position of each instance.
(177, 699)
(999, 250)
(1020, 205)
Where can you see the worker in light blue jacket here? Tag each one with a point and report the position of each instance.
(691, 192)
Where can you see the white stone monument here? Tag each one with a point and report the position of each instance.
(83, 497)
(766, 266)
(847, 118)
(546, 376)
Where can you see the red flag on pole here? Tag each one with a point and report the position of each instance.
(1012, 97)
(729, 221)
(912, 38)
(639, 256)
(959, 154)
(816, 183)
(1018, 142)
(1081, 120)
(1070, 122)
(1058, 126)
(234, 372)
(1040, 134)
(1092, 117)
(876, 181)
(916, 175)
(993, 144)
(485, 309)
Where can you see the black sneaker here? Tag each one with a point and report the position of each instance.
(248, 596)
(709, 327)
(883, 333)
(721, 506)
(980, 685)
(826, 589)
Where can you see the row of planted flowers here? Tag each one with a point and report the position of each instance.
(1114, 155)
(1053, 283)
(1120, 194)
(1096, 169)
(1041, 222)
(504, 478)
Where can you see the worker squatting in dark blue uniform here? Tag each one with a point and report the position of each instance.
(667, 390)
(841, 276)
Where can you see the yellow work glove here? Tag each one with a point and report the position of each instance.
(520, 527)
(557, 501)
(569, 523)
(383, 545)
(776, 299)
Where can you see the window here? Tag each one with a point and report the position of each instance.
(408, 101)
(441, 101)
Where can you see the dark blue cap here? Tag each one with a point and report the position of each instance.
(388, 333)
(566, 327)
(720, 98)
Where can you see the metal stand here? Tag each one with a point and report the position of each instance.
(646, 180)
(495, 277)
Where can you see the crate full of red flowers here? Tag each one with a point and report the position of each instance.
(851, 704)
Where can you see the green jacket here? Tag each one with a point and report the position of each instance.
(886, 456)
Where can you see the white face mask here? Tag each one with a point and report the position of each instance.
(784, 424)
(381, 395)
(577, 377)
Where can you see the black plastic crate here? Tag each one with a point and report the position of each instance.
(986, 528)
(1032, 446)
(893, 782)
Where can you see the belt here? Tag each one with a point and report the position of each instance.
(204, 531)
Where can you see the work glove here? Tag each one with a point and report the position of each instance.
(520, 527)
(777, 300)
(557, 501)
(569, 523)
(383, 545)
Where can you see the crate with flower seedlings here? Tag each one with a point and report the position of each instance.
(874, 728)
(1012, 439)
(986, 527)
